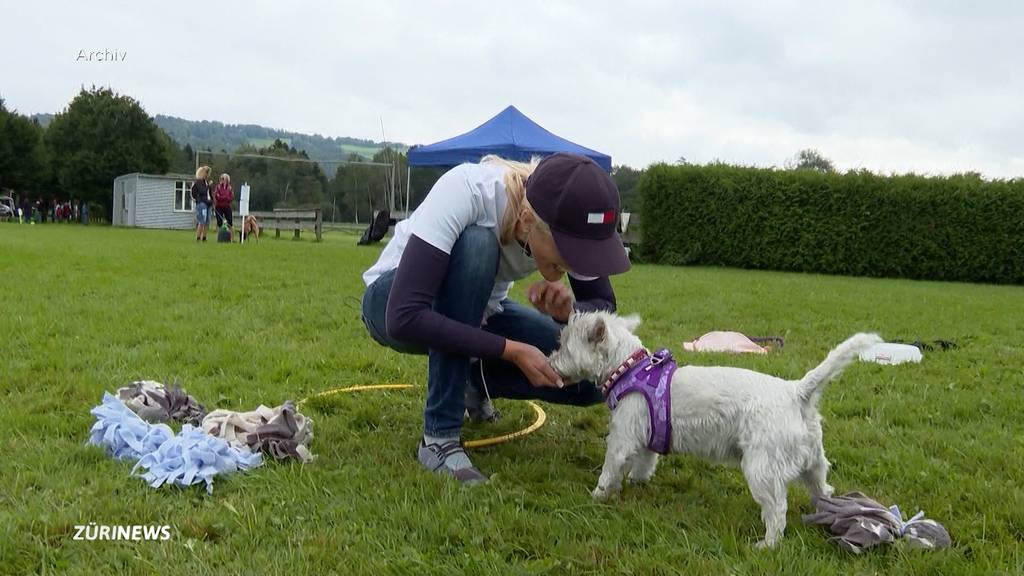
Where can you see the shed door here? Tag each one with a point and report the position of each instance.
(127, 206)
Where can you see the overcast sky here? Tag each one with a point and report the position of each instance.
(929, 86)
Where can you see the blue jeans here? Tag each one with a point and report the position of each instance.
(463, 296)
(202, 213)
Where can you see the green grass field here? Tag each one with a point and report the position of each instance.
(90, 309)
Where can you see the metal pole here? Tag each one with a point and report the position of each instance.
(408, 186)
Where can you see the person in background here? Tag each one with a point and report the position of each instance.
(202, 201)
(222, 198)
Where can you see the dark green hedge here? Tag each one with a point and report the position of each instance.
(858, 223)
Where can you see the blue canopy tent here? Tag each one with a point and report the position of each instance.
(510, 134)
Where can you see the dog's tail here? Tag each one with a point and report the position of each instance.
(811, 384)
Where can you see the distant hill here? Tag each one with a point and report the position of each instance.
(217, 136)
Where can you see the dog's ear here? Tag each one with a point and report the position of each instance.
(631, 322)
(598, 332)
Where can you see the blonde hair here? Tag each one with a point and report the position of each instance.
(202, 172)
(226, 178)
(516, 174)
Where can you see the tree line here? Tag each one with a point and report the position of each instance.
(99, 136)
(213, 135)
(102, 135)
(77, 153)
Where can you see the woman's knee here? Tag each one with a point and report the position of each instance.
(525, 324)
(476, 251)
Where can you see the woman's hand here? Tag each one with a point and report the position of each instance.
(533, 363)
(551, 298)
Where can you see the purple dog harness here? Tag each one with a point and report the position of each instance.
(652, 377)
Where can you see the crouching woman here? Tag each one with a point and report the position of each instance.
(441, 287)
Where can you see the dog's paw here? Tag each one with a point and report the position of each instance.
(638, 480)
(828, 490)
(765, 544)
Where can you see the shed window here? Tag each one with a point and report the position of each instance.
(182, 196)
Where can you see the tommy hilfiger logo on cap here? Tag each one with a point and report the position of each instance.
(601, 217)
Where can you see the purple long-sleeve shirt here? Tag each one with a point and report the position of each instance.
(411, 317)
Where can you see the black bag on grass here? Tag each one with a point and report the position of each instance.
(376, 231)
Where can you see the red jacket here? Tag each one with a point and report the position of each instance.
(223, 196)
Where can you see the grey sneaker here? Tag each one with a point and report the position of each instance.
(438, 459)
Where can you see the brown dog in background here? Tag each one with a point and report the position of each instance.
(251, 227)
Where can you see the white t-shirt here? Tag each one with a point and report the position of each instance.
(467, 195)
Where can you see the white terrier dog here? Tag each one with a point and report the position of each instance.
(768, 426)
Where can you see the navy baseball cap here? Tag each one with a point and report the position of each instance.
(580, 204)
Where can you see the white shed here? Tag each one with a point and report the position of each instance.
(154, 201)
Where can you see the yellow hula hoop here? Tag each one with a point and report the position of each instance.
(541, 416)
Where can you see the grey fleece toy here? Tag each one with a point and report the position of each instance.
(155, 402)
(858, 523)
